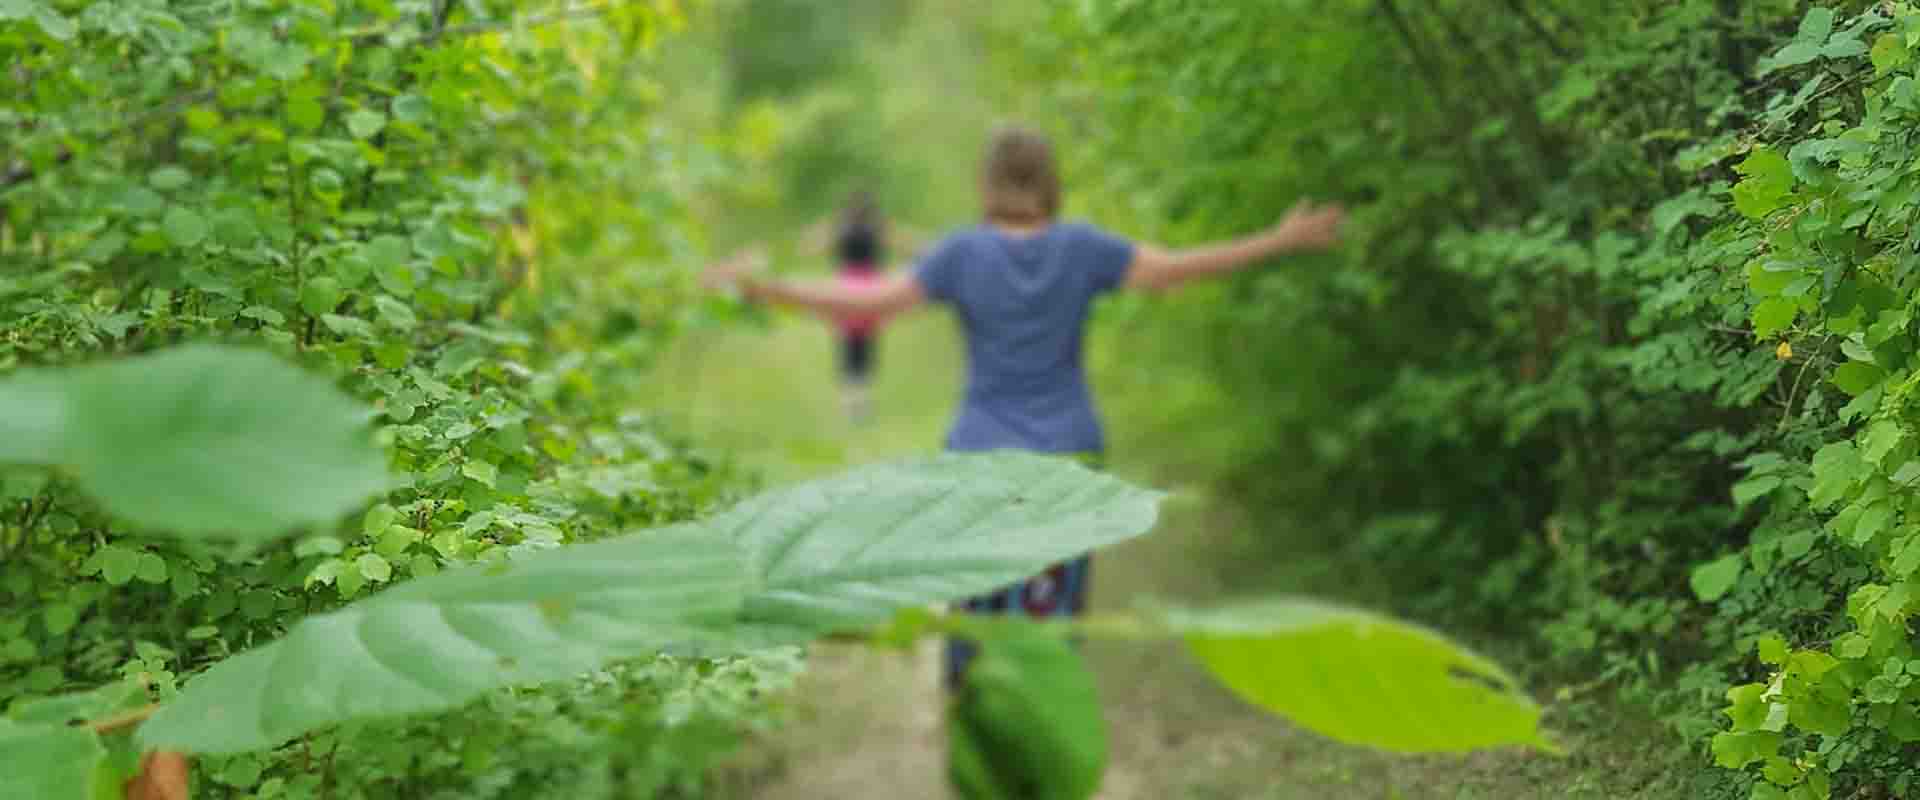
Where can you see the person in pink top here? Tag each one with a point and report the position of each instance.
(860, 249)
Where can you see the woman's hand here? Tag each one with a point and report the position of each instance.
(737, 271)
(1310, 227)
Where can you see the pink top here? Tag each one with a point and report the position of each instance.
(859, 277)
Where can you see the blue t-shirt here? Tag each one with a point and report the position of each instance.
(1023, 303)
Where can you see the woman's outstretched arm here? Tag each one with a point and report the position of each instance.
(892, 294)
(1305, 229)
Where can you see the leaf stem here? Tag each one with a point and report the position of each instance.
(123, 721)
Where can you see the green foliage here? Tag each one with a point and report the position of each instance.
(1027, 724)
(440, 210)
(460, 221)
(1618, 355)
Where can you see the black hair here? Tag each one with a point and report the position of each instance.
(862, 232)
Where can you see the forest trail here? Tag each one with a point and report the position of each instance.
(868, 724)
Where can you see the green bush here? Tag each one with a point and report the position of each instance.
(1618, 353)
(427, 200)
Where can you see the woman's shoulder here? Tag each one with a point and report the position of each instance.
(1078, 229)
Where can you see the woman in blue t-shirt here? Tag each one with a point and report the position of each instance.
(1022, 284)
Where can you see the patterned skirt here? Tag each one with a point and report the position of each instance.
(1061, 591)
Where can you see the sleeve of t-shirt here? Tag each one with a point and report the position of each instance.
(1107, 257)
(939, 271)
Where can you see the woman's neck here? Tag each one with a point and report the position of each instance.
(1020, 230)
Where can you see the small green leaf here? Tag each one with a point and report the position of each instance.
(1361, 678)
(1773, 315)
(1768, 181)
(1747, 706)
(395, 314)
(54, 24)
(1836, 468)
(378, 519)
(1816, 27)
(481, 471)
(264, 314)
(1844, 48)
(1890, 52)
(1737, 750)
(351, 327)
(364, 124)
(320, 295)
(325, 573)
(318, 546)
(184, 227)
(169, 178)
(1855, 378)
(412, 108)
(1694, 203)
(1772, 649)
(1795, 545)
(1712, 580)
(59, 618)
(374, 568)
(1792, 55)
(397, 279)
(1751, 489)
(388, 250)
(118, 564)
(1824, 710)
(306, 113)
(151, 568)
(1906, 556)
(1880, 440)
(394, 543)
(1876, 518)
(235, 228)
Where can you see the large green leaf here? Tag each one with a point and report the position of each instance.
(199, 440)
(436, 642)
(1361, 678)
(1027, 724)
(46, 750)
(33, 419)
(848, 550)
(48, 762)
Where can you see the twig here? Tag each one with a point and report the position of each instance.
(1786, 414)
